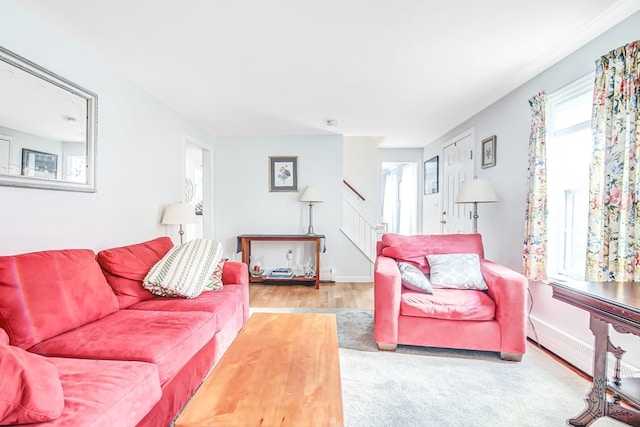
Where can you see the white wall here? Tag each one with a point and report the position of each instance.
(244, 204)
(140, 155)
(503, 222)
(362, 171)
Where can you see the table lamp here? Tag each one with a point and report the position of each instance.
(179, 213)
(311, 195)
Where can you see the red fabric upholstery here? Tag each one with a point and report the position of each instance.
(177, 391)
(237, 274)
(106, 393)
(461, 334)
(494, 321)
(223, 304)
(167, 339)
(4, 338)
(30, 389)
(43, 294)
(414, 249)
(125, 268)
(452, 304)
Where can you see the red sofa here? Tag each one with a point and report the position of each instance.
(83, 343)
(488, 320)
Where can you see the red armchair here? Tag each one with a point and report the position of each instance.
(488, 320)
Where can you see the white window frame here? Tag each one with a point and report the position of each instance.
(561, 231)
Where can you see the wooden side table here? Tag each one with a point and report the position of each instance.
(244, 246)
(608, 303)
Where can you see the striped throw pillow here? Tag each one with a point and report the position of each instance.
(185, 270)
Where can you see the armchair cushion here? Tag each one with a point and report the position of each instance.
(414, 279)
(413, 249)
(449, 304)
(456, 271)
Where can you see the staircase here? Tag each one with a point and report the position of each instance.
(362, 233)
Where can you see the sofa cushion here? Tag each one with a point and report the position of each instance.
(414, 279)
(456, 271)
(30, 388)
(223, 304)
(216, 278)
(167, 339)
(125, 268)
(43, 294)
(127, 391)
(413, 249)
(451, 304)
(185, 270)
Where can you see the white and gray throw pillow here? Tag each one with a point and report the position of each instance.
(456, 271)
(185, 270)
(414, 279)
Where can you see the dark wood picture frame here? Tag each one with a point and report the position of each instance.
(283, 173)
(488, 158)
(38, 164)
(431, 177)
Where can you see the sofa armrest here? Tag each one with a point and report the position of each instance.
(509, 291)
(235, 273)
(387, 287)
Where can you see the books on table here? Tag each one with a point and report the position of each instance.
(281, 273)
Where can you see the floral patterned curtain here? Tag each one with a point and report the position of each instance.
(534, 262)
(613, 245)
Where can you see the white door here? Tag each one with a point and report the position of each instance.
(457, 167)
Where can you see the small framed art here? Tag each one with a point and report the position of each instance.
(431, 184)
(283, 173)
(488, 152)
(38, 164)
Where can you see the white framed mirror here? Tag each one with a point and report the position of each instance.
(48, 128)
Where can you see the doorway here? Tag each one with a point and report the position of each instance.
(400, 196)
(198, 188)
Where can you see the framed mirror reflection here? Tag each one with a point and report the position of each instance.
(47, 128)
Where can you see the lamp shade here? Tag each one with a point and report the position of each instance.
(476, 191)
(179, 213)
(311, 195)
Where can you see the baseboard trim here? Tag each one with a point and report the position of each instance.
(356, 279)
(573, 350)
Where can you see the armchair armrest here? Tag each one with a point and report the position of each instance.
(509, 291)
(387, 286)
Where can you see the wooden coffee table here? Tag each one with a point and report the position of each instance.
(281, 370)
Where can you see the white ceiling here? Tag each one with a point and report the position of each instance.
(404, 70)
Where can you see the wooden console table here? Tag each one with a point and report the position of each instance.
(244, 246)
(616, 304)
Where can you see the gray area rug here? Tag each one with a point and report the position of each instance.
(424, 387)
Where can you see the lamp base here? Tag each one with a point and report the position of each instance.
(310, 231)
(181, 233)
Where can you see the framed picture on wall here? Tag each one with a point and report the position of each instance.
(489, 152)
(431, 184)
(38, 164)
(283, 173)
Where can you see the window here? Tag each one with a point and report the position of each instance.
(569, 149)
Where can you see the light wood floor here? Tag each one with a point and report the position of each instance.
(330, 295)
(334, 295)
